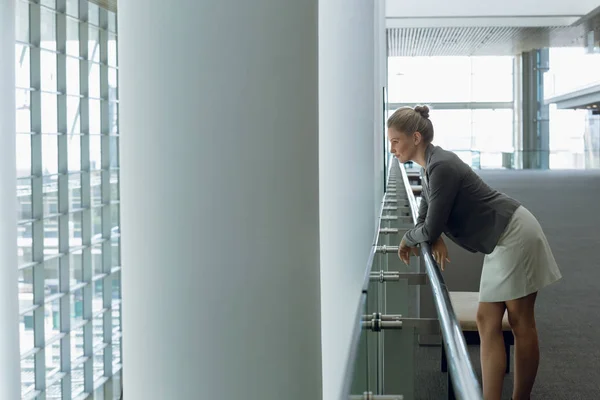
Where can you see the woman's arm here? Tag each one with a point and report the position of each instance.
(444, 183)
(422, 208)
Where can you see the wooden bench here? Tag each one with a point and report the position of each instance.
(465, 306)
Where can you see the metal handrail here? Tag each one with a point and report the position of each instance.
(464, 381)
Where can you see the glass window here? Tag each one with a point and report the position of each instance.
(48, 29)
(23, 66)
(455, 87)
(80, 199)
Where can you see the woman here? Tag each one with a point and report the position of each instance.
(518, 261)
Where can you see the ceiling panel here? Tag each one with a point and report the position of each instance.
(110, 5)
(492, 40)
(479, 41)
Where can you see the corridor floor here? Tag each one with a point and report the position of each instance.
(567, 204)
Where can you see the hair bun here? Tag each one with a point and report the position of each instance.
(423, 111)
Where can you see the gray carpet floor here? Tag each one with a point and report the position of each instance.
(567, 204)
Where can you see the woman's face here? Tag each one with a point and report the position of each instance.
(402, 146)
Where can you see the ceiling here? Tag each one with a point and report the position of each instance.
(466, 32)
(479, 41)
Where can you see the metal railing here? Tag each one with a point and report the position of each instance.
(464, 381)
(348, 376)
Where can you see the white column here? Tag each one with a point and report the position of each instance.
(10, 376)
(346, 177)
(380, 65)
(219, 188)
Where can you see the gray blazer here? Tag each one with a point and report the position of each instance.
(457, 202)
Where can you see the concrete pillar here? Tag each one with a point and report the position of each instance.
(10, 376)
(220, 199)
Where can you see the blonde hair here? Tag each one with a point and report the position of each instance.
(410, 120)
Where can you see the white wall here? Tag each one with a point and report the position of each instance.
(346, 160)
(10, 376)
(220, 202)
(380, 65)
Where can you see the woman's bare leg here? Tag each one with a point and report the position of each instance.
(493, 356)
(527, 353)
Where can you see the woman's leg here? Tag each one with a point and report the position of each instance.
(527, 353)
(493, 357)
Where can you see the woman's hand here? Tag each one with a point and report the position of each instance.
(440, 252)
(404, 252)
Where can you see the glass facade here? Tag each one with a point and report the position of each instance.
(471, 100)
(68, 197)
(574, 138)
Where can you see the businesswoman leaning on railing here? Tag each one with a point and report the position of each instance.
(518, 261)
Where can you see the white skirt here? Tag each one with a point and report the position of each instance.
(521, 263)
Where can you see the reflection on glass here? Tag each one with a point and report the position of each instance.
(24, 243)
(98, 365)
(27, 375)
(23, 154)
(74, 192)
(112, 50)
(73, 86)
(98, 289)
(115, 252)
(112, 21)
(54, 392)
(48, 70)
(95, 117)
(77, 316)
(113, 114)
(52, 319)
(76, 267)
(73, 8)
(94, 80)
(114, 185)
(116, 354)
(96, 187)
(97, 223)
(95, 152)
(24, 199)
(23, 66)
(98, 329)
(26, 332)
(51, 236)
(114, 216)
(97, 266)
(94, 44)
(22, 21)
(74, 151)
(49, 113)
(51, 283)
(73, 115)
(75, 229)
(112, 84)
(25, 288)
(116, 285)
(77, 384)
(48, 29)
(93, 14)
(114, 151)
(23, 101)
(49, 154)
(52, 360)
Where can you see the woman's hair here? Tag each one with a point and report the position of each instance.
(408, 120)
